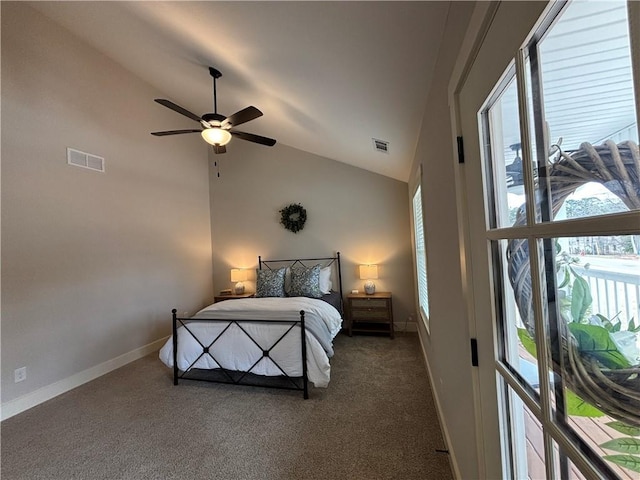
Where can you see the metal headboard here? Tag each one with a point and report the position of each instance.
(307, 263)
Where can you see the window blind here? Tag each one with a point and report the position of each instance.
(421, 257)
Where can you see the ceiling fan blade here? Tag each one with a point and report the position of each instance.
(269, 142)
(178, 108)
(219, 149)
(174, 132)
(243, 116)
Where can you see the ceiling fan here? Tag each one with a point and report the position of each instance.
(216, 129)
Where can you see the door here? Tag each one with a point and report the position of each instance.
(548, 116)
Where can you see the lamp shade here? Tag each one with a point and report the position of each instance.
(216, 136)
(368, 272)
(238, 275)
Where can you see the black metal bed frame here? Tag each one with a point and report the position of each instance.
(223, 375)
(291, 263)
(247, 378)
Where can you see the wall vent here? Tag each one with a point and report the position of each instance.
(380, 145)
(85, 160)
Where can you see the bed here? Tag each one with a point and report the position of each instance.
(280, 338)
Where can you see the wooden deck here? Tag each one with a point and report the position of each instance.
(535, 451)
(593, 430)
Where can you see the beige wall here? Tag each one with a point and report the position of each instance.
(363, 215)
(92, 262)
(447, 345)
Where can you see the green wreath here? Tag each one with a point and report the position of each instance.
(293, 217)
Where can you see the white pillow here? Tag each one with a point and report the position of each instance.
(325, 280)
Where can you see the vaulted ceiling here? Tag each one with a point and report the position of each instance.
(328, 76)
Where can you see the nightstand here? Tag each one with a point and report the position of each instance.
(220, 298)
(370, 313)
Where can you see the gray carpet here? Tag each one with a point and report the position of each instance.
(376, 420)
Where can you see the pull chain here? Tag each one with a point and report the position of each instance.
(215, 164)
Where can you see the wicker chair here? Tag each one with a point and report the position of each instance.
(615, 392)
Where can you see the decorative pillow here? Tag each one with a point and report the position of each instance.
(305, 282)
(325, 280)
(270, 283)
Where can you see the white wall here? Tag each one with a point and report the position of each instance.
(363, 215)
(92, 262)
(447, 345)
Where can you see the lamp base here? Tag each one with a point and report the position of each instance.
(239, 288)
(369, 288)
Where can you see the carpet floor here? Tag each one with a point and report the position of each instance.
(376, 420)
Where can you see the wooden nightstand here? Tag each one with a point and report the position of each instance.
(220, 298)
(370, 313)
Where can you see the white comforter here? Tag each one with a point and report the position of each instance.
(235, 351)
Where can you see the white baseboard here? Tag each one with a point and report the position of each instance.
(445, 431)
(30, 400)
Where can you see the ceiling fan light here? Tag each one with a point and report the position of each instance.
(216, 136)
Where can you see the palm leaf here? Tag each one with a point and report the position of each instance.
(577, 407)
(580, 298)
(630, 462)
(624, 428)
(565, 280)
(597, 342)
(624, 445)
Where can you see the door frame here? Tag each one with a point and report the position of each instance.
(475, 254)
(504, 28)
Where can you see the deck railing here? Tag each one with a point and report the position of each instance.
(615, 295)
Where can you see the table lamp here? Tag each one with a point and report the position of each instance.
(238, 275)
(369, 273)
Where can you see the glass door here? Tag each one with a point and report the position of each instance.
(555, 229)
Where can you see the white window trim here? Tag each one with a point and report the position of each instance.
(422, 311)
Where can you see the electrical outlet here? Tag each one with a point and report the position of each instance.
(20, 374)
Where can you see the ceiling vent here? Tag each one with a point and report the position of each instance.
(380, 145)
(85, 160)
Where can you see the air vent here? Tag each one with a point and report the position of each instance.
(85, 160)
(380, 145)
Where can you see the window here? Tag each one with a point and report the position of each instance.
(565, 247)
(421, 257)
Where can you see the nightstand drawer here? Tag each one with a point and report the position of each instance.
(370, 314)
(369, 303)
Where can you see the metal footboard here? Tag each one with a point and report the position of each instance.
(223, 375)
